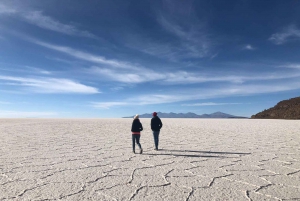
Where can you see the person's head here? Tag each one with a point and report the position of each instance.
(136, 116)
(154, 114)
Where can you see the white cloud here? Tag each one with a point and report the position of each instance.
(22, 114)
(117, 88)
(248, 47)
(193, 94)
(126, 72)
(24, 69)
(86, 56)
(128, 76)
(209, 104)
(296, 66)
(182, 77)
(39, 70)
(4, 9)
(107, 105)
(37, 18)
(192, 40)
(50, 85)
(290, 32)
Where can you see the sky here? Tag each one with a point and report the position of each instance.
(117, 58)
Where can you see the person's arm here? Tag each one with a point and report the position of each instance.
(151, 124)
(160, 125)
(141, 127)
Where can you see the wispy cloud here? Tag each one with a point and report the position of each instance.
(210, 104)
(107, 105)
(38, 70)
(86, 56)
(37, 18)
(248, 47)
(50, 85)
(4, 9)
(184, 39)
(184, 77)
(117, 88)
(289, 33)
(127, 76)
(296, 66)
(193, 94)
(194, 41)
(24, 69)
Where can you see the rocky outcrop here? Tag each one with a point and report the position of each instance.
(286, 109)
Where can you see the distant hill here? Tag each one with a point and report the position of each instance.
(286, 109)
(187, 115)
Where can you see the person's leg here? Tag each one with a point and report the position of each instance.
(138, 143)
(133, 143)
(156, 139)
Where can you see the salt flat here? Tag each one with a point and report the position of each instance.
(199, 159)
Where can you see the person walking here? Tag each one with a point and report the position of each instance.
(136, 129)
(156, 125)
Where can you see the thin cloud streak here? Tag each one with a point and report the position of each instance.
(4, 9)
(142, 75)
(194, 38)
(202, 94)
(107, 105)
(290, 32)
(50, 85)
(86, 56)
(295, 66)
(37, 18)
(25, 69)
(192, 42)
(182, 77)
(210, 104)
(129, 73)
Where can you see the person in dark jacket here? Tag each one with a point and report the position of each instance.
(156, 125)
(136, 129)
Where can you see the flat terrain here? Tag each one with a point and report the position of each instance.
(199, 159)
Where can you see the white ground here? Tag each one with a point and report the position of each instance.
(199, 159)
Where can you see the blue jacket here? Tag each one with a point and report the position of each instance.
(156, 124)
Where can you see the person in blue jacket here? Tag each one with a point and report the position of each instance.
(156, 125)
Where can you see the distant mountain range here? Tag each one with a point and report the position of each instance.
(286, 109)
(188, 115)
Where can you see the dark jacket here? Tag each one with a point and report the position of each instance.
(156, 123)
(136, 126)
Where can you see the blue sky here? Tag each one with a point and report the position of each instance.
(116, 58)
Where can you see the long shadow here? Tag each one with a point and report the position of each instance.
(185, 155)
(205, 152)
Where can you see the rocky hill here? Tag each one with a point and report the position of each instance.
(286, 109)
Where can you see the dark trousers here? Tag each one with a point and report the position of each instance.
(156, 138)
(136, 138)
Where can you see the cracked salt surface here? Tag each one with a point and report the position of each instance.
(199, 159)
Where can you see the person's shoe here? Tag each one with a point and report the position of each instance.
(133, 151)
(141, 151)
(156, 149)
